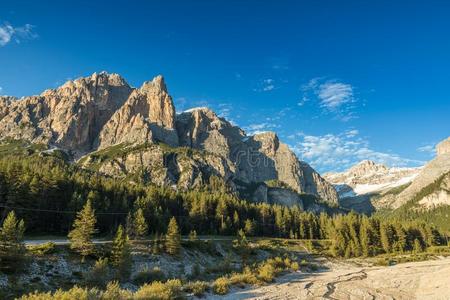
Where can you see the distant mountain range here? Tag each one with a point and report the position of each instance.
(368, 186)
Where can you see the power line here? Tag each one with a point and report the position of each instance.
(60, 211)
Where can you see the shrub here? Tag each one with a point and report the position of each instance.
(266, 272)
(113, 291)
(197, 288)
(98, 275)
(246, 277)
(160, 291)
(74, 293)
(149, 275)
(42, 249)
(294, 266)
(221, 285)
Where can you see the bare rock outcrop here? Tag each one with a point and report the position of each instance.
(70, 116)
(161, 165)
(147, 116)
(201, 128)
(263, 157)
(443, 147)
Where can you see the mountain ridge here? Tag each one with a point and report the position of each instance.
(93, 113)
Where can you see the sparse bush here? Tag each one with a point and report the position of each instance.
(197, 288)
(98, 275)
(113, 291)
(294, 266)
(266, 272)
(42, 249)
(148, 275)
(246, 277)
(221, 286)
(161, 291)
(74, 293)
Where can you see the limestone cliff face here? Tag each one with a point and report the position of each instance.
(162, 165)
(201, 128)
(263, 157)
(147, 116)
(69, 117)
(443, 147)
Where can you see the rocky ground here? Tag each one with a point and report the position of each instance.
(416, 280)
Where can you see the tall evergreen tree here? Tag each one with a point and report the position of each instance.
(121, 253)
(173, 238)
(386, 237)
(139, 223)
(129, 226)
(83, 230)
(12, 249)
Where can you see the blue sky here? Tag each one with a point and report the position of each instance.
(339, 81)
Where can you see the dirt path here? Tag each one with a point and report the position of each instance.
(418, 280)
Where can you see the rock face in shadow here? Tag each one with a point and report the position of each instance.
(202, 129)
(101, 115)
(257, 158)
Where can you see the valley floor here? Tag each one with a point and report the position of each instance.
(415, 280)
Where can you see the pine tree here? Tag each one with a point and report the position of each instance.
(236, 219)
(139, 224)
(249, 227)
(387, 237)
(83, 230)
(129, 226)
(173, 238)
(121, 253)
(12, 249)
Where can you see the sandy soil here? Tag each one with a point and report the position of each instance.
(418, 280)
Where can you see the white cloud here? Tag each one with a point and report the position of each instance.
(9, 33)
(332, 152)
(333, 97)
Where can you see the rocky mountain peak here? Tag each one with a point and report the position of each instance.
(156, 83)
(365, 167)
(147, 116)
(443, 147)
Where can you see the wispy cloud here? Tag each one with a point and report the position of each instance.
(430, 149)
(9, 33)
(331, 152)
(334, 94)
(224, 110)
(260, 127)
(333, 97)
(266, 85)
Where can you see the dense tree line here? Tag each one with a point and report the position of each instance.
(47, 192)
